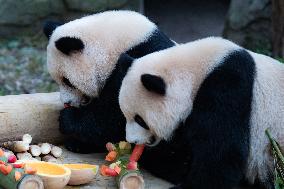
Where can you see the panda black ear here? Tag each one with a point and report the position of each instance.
(69, 44)
(124, 62)
(154, 83)
(49, 27)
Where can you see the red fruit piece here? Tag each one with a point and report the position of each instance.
(111, 172)
(137, 152)
(132, 165)
(18, 165)
(2, 162)
(106, 171)
(12, 159)
(103, 170)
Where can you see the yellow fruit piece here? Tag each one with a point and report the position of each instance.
(81, 173)
(81, 166)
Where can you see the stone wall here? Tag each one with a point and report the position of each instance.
(249, 23)
(23, 17)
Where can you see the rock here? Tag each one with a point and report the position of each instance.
(26, 12)
(26, 17)
(86, 5)
(249, 23)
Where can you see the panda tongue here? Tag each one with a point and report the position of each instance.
(67, 105)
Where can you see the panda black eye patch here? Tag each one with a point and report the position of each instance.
(138, 119)
(67, 83)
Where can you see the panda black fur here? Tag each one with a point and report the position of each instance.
(208, 102)
(82, 57)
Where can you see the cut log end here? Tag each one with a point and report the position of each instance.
(56, 151)
(35, 150)
(31, 182)
(27, 138)
(132, 181)
(16, 146)
(45, 148)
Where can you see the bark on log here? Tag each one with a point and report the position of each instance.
(36, 114)
(278, 28)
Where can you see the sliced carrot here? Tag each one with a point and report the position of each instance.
(9, 168)
(111, 156)
(2, 162)
(1, 152)
(5, 169)
(18, 175)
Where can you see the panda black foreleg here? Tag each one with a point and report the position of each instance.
(82, 134)
(213, 170)
(68, 123)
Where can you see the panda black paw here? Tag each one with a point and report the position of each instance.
(76, 146)
(67, 120)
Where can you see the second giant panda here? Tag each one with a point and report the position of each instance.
(83, 58)
(210, 101)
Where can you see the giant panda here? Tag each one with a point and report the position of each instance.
(209, 102)
(83, 58)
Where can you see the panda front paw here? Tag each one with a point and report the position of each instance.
(67, 120)
(76, 146)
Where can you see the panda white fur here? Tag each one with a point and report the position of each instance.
(83, 58)
(210, 101)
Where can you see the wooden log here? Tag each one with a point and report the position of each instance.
(36, 114)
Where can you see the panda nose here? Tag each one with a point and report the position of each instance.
(85, 100)
(152, 140)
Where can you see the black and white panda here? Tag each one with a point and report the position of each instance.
(209, 102)
(83, 58)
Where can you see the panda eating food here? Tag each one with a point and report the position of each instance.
(210, 101)
(83, 58)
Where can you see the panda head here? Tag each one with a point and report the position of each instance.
(82, 54)
(153, 100)
(157, 94)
